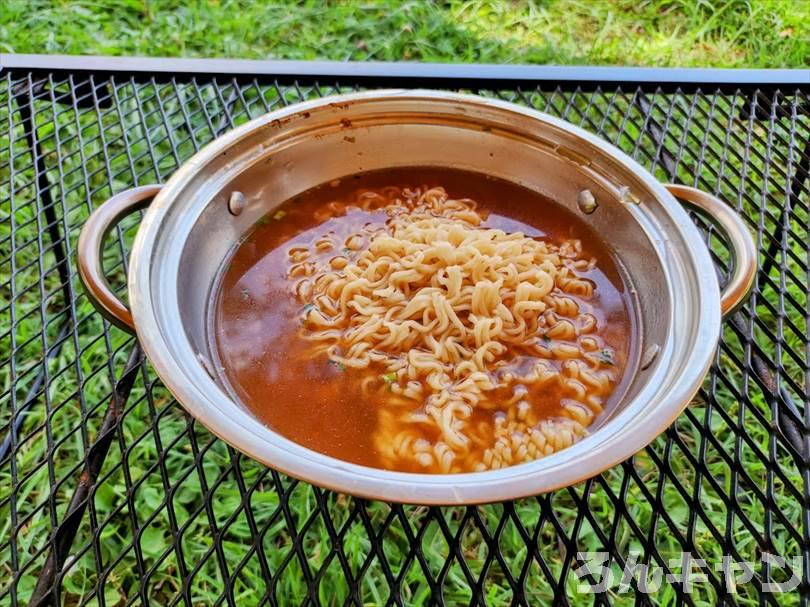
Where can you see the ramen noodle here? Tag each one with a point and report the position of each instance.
(471, 345)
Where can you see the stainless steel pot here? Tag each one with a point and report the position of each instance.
(190, 228)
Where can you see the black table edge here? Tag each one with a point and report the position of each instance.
(410, 74)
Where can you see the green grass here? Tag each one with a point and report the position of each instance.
(724, 33)
(159, 446)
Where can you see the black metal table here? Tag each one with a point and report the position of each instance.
(110, 494)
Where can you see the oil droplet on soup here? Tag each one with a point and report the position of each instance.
(319, 403)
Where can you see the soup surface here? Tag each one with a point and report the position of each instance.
(424, 320)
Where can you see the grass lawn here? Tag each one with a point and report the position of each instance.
(720, 33)
(152, 524)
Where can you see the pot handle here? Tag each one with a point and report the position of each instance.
(91, 244)
(741, 244)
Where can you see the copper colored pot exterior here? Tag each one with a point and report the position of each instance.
(190, 229)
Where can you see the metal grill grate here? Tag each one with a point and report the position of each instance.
(111, 495)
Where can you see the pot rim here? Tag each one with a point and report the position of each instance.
(564, 468)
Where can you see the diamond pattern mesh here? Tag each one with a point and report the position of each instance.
(111, 495)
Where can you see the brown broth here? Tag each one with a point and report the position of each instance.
(255, 318)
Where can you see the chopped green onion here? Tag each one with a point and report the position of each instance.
(279, 215)
(606, 357)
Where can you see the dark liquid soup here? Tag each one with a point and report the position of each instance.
(256, 320)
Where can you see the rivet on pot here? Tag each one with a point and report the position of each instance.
(650, 354)
(586, 202)
(237, 203)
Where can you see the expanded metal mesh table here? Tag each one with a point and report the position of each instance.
(111, 494)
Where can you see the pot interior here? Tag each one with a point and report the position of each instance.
(314, 148)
